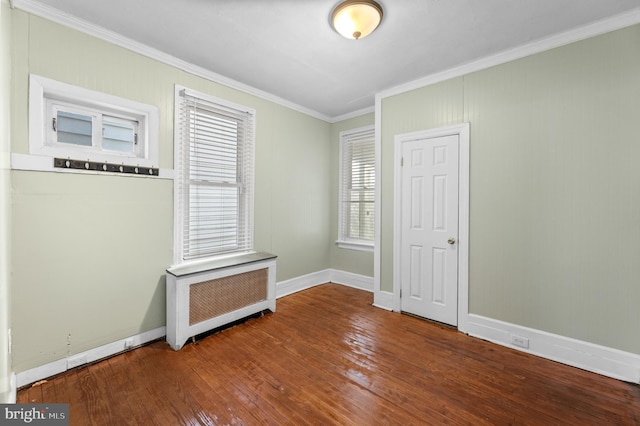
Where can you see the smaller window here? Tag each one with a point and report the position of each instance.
(357, 189)
(72, 126)
(72, 122)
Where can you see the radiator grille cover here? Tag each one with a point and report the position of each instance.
(209, 299)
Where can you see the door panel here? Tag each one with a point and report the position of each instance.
(439, 277)
(417, 202)
(416, 272)
(429, 258)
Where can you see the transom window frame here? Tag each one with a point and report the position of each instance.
(245, 229)
(48, 96)
(345, 168)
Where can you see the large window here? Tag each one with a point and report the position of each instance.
(357, 188)
(214, 176)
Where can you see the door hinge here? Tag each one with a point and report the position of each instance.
(401, 161)
(400, 293)
(135, 139)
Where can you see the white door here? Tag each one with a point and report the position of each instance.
(429, 215)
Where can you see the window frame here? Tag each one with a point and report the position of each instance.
(245, 210)
(47, 96)
(344, 241)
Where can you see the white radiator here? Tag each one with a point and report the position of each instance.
(204, 296)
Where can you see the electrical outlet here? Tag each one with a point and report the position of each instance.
(75, 361)
(520, 341)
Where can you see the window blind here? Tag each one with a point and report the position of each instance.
(216, 177)
(358, 179)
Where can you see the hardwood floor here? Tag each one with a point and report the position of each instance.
(327, 357)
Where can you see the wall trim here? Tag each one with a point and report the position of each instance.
(44, 11)
(294, 285)
(352, 114)
(13, 389)
(384, 300)
(60, 366)
(283, 288)
(41, 163)
(599, 359)
(380, 297)
(335, 276)
(590, 30)
(557, 40)
(349, 279)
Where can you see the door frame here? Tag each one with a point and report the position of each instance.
(462, 131)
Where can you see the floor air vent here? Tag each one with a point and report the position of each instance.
(209, 295)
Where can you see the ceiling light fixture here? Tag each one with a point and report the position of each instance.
(356, 19)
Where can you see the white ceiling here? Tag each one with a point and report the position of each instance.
(288, 49)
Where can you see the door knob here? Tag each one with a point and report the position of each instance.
(451, 240)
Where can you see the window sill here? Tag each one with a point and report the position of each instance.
(220, 262)
(355, 245)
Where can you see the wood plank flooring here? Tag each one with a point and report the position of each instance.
(328, 357)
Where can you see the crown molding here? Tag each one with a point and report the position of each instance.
(353, 114)
(590, 30)
(52, 14)
(561, 39)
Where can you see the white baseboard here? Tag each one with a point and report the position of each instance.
(285, 288)
(60, 366)
(304, 282)
(587, 356)
(13, 389)
(384, 300)
(349, 279)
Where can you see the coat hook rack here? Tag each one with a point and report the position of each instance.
(67, 163)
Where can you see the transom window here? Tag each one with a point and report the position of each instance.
(72, 122)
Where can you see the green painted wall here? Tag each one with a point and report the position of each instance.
(5, 198)
(555, 186)
(89, 252)
(354, 261)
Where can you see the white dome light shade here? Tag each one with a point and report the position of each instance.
(356, 19)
